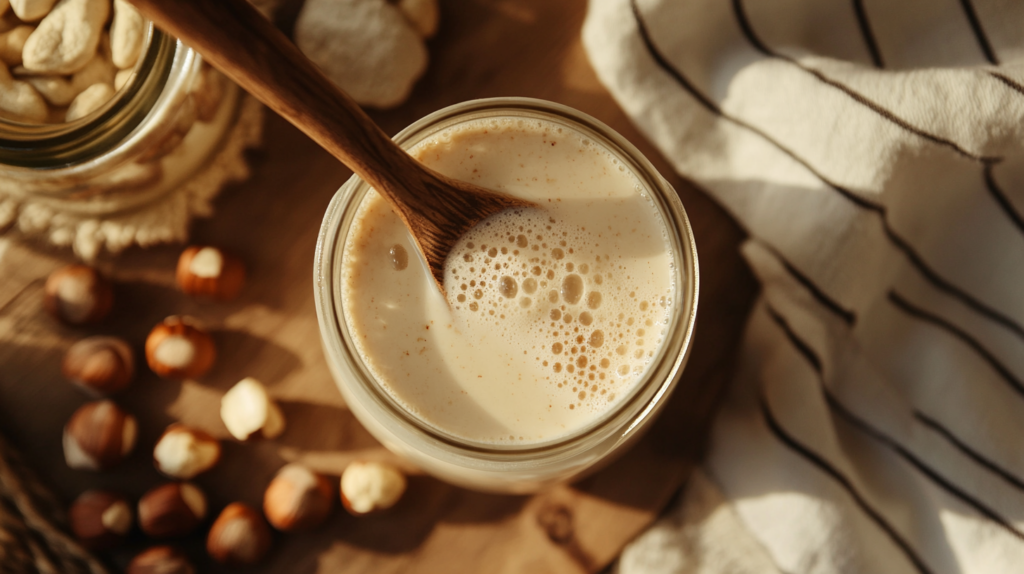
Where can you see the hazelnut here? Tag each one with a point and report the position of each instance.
(100, 365)
(98, 436)
(100, 519)
(238, 537)
(249, 413)
(172, 509)
(210, 272)
(184, 452)
(78, 294)
(370, 487)
(160, 560)
(179, 348)
(297, 498)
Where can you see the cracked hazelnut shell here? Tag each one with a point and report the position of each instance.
(184, 452)
(178, 348)
(297, 498)
(205, 271)
(239, 536)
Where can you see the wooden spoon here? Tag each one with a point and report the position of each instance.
(236, 39)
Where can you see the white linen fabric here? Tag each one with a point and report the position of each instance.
(873, 150)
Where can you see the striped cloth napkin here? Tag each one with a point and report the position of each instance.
(874, 150)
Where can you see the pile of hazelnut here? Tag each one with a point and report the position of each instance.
(100, 434)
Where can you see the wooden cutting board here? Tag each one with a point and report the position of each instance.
(484, 48)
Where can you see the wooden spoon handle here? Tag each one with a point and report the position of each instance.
(236, 39)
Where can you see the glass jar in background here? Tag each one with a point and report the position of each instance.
(127, 172)
(510, 469)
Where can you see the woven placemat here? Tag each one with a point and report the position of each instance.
(33, 526)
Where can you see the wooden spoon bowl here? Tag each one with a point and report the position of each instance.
(236, 39)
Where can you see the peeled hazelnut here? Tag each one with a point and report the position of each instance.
(100, 365)
(100, 519)
(98, 436)
(178, 348)
(249, 413)
(78, 294)
(160, 560)
(297, 498)
(209, 272)
(184, 452)
(172, 509)
(238, 537)
(370, 487)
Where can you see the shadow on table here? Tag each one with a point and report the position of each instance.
(314, 427)
(241, 354)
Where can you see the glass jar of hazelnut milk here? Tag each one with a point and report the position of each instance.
(161, 121)
(562, 329)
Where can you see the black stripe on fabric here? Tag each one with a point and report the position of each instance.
(979, 32)
(988, 162)
(865, 31)
(902, 245)
(848, 317)
(916, 312)
(869, 35)
(755, 40)
(1001, 199)
(797, 342)
(1007, 81)
(968, 451)
(830, 470)
(881, 437)
(928, 421)
(741, 18)
(667, 66)
(924, 469)
(948, 287)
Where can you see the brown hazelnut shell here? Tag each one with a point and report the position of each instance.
(289, 506)
(239, 536)
(97, 430)
(200, 435)
(100, 365)
(205, 352)
(223, 287)
(93, 299)
(160, 560)
(165, 513)
(86, 519)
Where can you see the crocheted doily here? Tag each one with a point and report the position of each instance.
(165, 219)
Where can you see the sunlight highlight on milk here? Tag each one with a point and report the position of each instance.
(553, 314)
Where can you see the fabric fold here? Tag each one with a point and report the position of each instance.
(874, 151)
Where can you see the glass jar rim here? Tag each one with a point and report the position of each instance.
(54, 146)
(664, 370)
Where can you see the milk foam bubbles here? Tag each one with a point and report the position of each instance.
(553, 314)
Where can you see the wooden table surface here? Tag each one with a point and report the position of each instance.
(484, 48)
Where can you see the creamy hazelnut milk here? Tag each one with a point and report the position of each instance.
(552, 314)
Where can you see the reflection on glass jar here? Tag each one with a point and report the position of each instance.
(139, 166)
